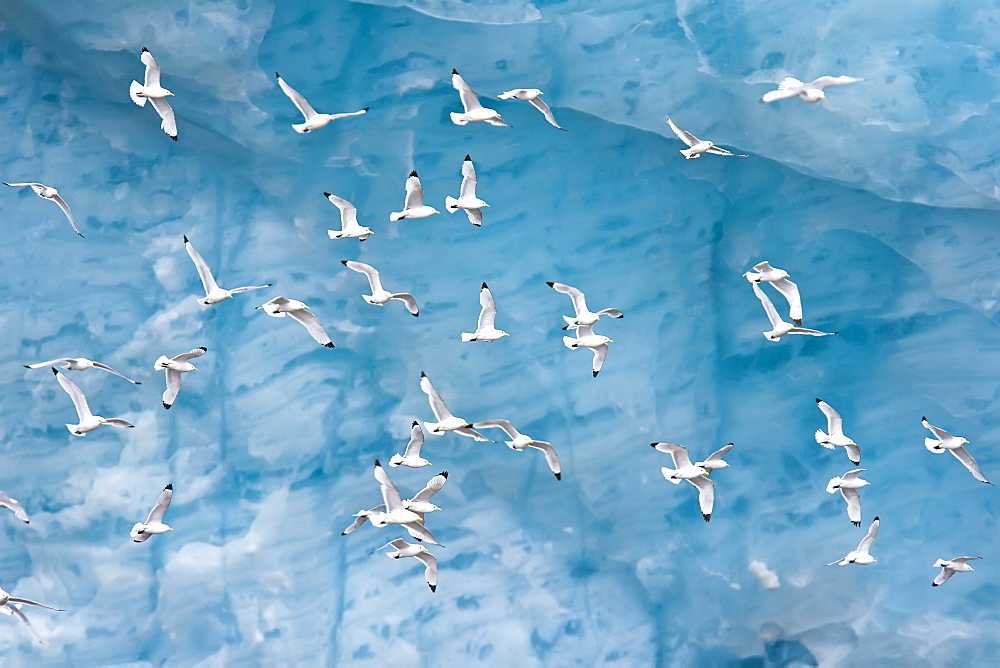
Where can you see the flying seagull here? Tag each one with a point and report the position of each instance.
(763, 271)
(51, 194)
(532, 95)
(155, 93)
(379, 295)
(697, 146)
(585, 338)
(861, 556)
(411, 456)
(88, 421)
(485, 327)
(9, 604)
(314, 120)
(419, 505)
(849, 484)
(695, 474)
(413, 205)
(521, 441)
(949, 568)
(834, 434)
(279, 307)
(213, 293)
(15, 505)
(467, 198)
(779, 327)
(174, 367)
(404, 549)
(715, 460)
(583, 315)
(154, 521)
(944, 441)
(474, 111)
(810, 92)
(445, 420)
(79, 364)
(349, 227)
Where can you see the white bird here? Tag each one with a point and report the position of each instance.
(213, 293)
(445, 420)
(174, 367)
(421, 501)
(763, 271)
(394, 512)
(404, 549)
(697, 146)
(8, 605)
(474, 111)
(154, 521)
(467, 198)
(695, 474)
(834, 434)
(379, 295)
(416, 529)
(522, 441)
(779, 327)
(155, 93)
(583, 315)
(485, 327)
(849, 484)
(51, 194)
(949, 568)
(78, 364)
(861, 556)
(349, 227)
(15, 505)
(532, 95)
(413, 205)
(944, 441)
(810, 92)
(279, 307)
(411, 456)
(585, 338)
(715, 460)
(314, 120)
(88, 421)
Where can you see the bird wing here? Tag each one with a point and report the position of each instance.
(720, 453)
(677, 452)
(853, 498)
(852, 475)
(499, 122)
(834, 423)
(312, 325)
(105, 367)
(300, 102)
(853, 453)
(810, 332)
(716, 150)
(15, 505)
(468, 179)
(943, 576)
(939, 434)
(475, 216)
(431, 568)
(69, 214)
(472, 433)
(502, 424)
(579, 300)
(772, 315)
(369, 271)
(612, 312)
(184, 357)
(390, 494)
(152, 79)
(408, 299)
(761, 267)
(162, 503)
(204, 271)
(414, 192)
(245, 288)
(166, 113)
(420, 532)
(551, 458)
(432, 487)
(488, 314)
(469, 98)
(173, 387)
(24, 601)
(789, 87)
(600, 352)
(963, 456)
(826, 82)
(345, 114)
(76, 394)
(416, 441)
(39, 365)
(683, 135)
(438, 406)
(791, 293)
(540, 105)
(348, 212)
(20, 615)
(706, 495)
(361, 520)
(866, 542)
(37, 187)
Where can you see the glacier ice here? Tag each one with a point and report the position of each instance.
(880, 201)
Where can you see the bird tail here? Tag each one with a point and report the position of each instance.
(468, 337)
(689, 154)
(133, 92)
(822, 437)
(570, 322)
(72, 430)
(457, 119)
(395, 460)
(667, 473)
(939, 563)
(161, 363)
(569, 342)
(395, 216)
(301, 128)
(831, 486)
(933, 445)
(451, 204)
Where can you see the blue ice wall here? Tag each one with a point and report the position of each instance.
(880, 202)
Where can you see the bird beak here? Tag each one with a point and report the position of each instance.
(506, 334)
(486, 205)
(436, 211)
(196, 368)
(971, 568)
(611, 340)
(170, 529)
(170, 93)
(230, 296)
(104, 421)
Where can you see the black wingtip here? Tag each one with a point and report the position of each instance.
(276, 75)
(708, 517)
(413, 173)
(924, 419)
(876, 519)
(329, 345)
(468, 157)
(416, 315)
(144, 50)
(170, 486)
(652, 445)
(166, 405)
(136, 382)
(550, 283)
(485, 287)
(326, 194)
(203, 349)
(414, 424)
(378, 463)
(54, 371)
(935, 584)
(186, 239)
(558, 476)
(423, 375)
(81, 235)
(343, 262)
(27, 521)
(857, 524)
(454, 71)
(366, 108)
(26, 366)
(343, 533)
(595, 373)
(174, 137)
(433, 587)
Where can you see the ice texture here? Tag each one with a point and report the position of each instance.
(880, 201)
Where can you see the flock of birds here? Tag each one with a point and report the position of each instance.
(410, 513)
